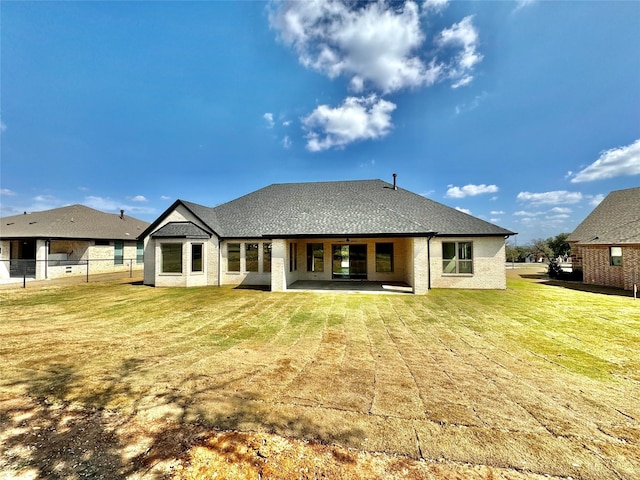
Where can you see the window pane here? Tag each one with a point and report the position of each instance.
(616, 256)
(118, 252)
(171, 257)
(465, 266)
(251, 257)
(464, 251)
(196, 257)
(384, 257)
(266, 257)
(448, 251)
(315, 257)
(233, 257)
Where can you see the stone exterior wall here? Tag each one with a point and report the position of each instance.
(488, 264)
(597, 268)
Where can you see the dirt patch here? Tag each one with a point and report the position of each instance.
(43, 440)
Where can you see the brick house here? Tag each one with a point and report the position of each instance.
(367, 230)
(606, 245)
(62, 241)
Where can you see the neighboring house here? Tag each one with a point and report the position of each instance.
(328, 231)
(60, 242)
(606, 245)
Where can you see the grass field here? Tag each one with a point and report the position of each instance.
(539, 378)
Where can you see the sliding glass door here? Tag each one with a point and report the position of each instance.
(349, 261)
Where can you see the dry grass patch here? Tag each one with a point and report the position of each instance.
(539, 378)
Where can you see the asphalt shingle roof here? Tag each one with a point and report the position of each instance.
(348, 208)
(616, 220)
(181, 230)
(72, 222)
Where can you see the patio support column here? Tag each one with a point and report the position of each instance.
(278, 263)
(41, 257)
(420, 265)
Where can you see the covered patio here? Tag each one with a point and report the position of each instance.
(350, 286)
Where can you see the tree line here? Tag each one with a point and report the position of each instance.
(552, 247)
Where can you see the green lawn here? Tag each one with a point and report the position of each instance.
(538, 377)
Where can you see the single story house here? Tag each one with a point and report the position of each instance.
(65, 241)
(606, 245)
(365, 230)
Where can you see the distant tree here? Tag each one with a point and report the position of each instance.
(515, 253)
(559, 245)
(540, 248)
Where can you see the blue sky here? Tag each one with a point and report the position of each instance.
(525, 114)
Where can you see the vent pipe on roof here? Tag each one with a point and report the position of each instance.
(121, 214)
(394, 181)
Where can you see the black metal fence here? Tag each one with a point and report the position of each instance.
(52, 269)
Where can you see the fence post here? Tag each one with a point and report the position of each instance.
(87, 270)
(24, 279)
(131, 268)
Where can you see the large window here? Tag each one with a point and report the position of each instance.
(266, 257)
(171, 257)
(118, 252)
(615, 256)
(251, 256)
(315, 257)
(457, 257)
(233, 257)
(196, 257)
(293, 257)
(384, 257)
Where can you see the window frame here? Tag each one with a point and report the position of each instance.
(615, 260)
(380, 264)
(253, 262)
(194, 258)
(266, 257)
(315, 262)
(177, 247)
(140, 251)
(118, 252)
(229, 260)
(293, 257)
(456, 260)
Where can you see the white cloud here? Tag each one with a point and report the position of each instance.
(555, 197)
(464, 210)
(269, 119)
(286, 123)
(561, 210)
(497, 212)
(3, 126)
(106, 204)
(523, 4)
(470, 190)
(524, 213)
(45, 198)
(373, 44)
(358, 118)
(286, 142)
(616, 162)
(462, 34)
(7, 192)
(494, 220)
(435, 5)
(165, 197)
(139, 198)
(596, 199)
